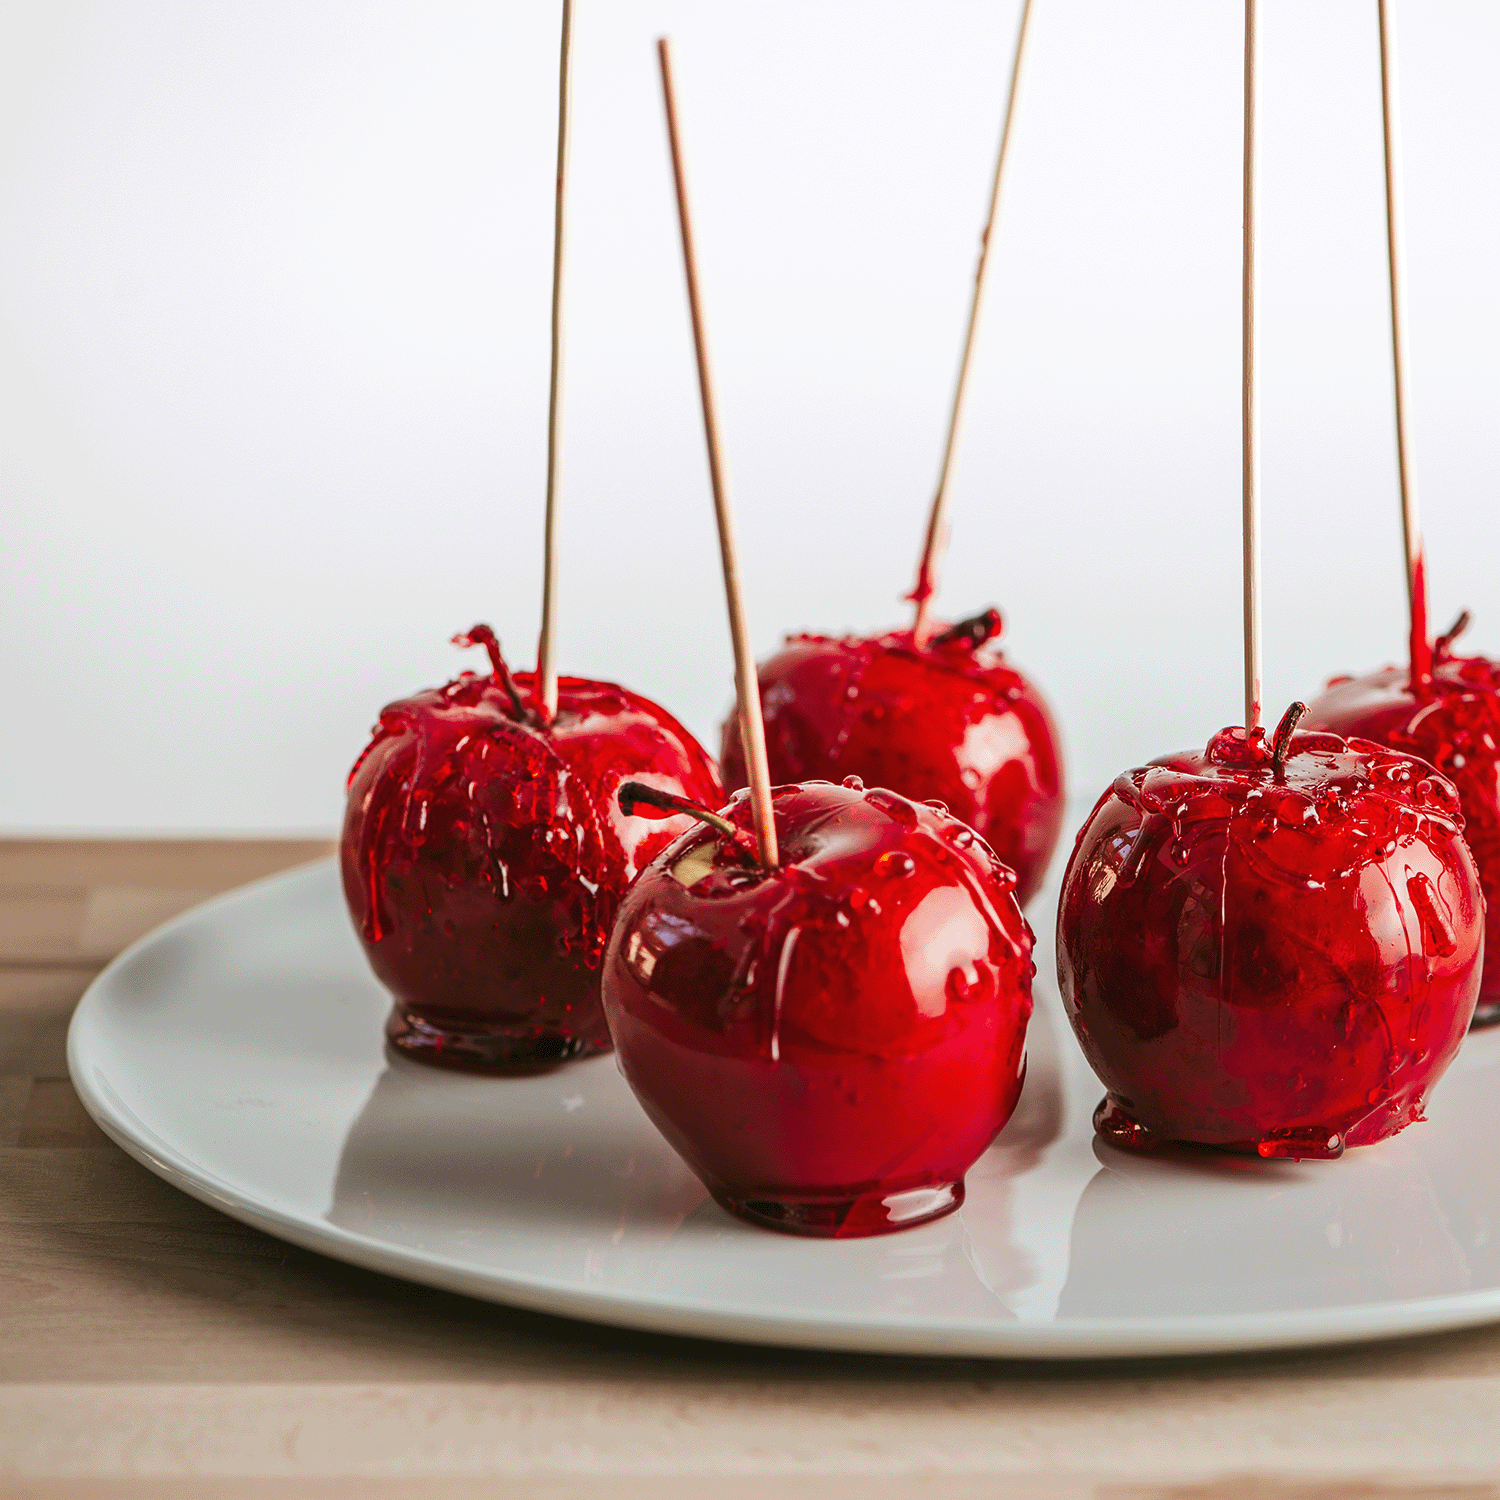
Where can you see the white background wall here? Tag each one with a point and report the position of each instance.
(273, 343)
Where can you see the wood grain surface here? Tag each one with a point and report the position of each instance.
(151, 1347)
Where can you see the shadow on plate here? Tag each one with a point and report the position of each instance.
(458, 1163)
(561, 1174)
(1189, 1231)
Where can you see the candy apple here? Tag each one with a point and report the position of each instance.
(484, 856)
(1449, 717)
(1271, 947)
(949, 719)
(830, 1043)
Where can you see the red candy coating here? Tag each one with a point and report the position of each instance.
(950, 721)
(484, 857)
(1452, 721)
(1282, 962)
(829, 1044)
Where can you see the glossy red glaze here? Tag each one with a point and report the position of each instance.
(484, 859)
(951, 720)
(1274, 963)
(830, 1044)
(1453, 722)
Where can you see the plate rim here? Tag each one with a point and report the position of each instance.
(1061, 1339)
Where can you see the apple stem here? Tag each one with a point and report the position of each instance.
(937, 521)
(1283, 738)
(1444, 643)
(633, 792)
(974, 631)
(482, 635)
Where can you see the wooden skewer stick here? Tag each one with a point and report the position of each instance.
(937, 520)
(546, 654)
(1249, 405)
(1411, 531)
(746, 682)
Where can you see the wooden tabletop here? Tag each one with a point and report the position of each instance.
(151, 1347)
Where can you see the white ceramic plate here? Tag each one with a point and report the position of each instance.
(237, 1052)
